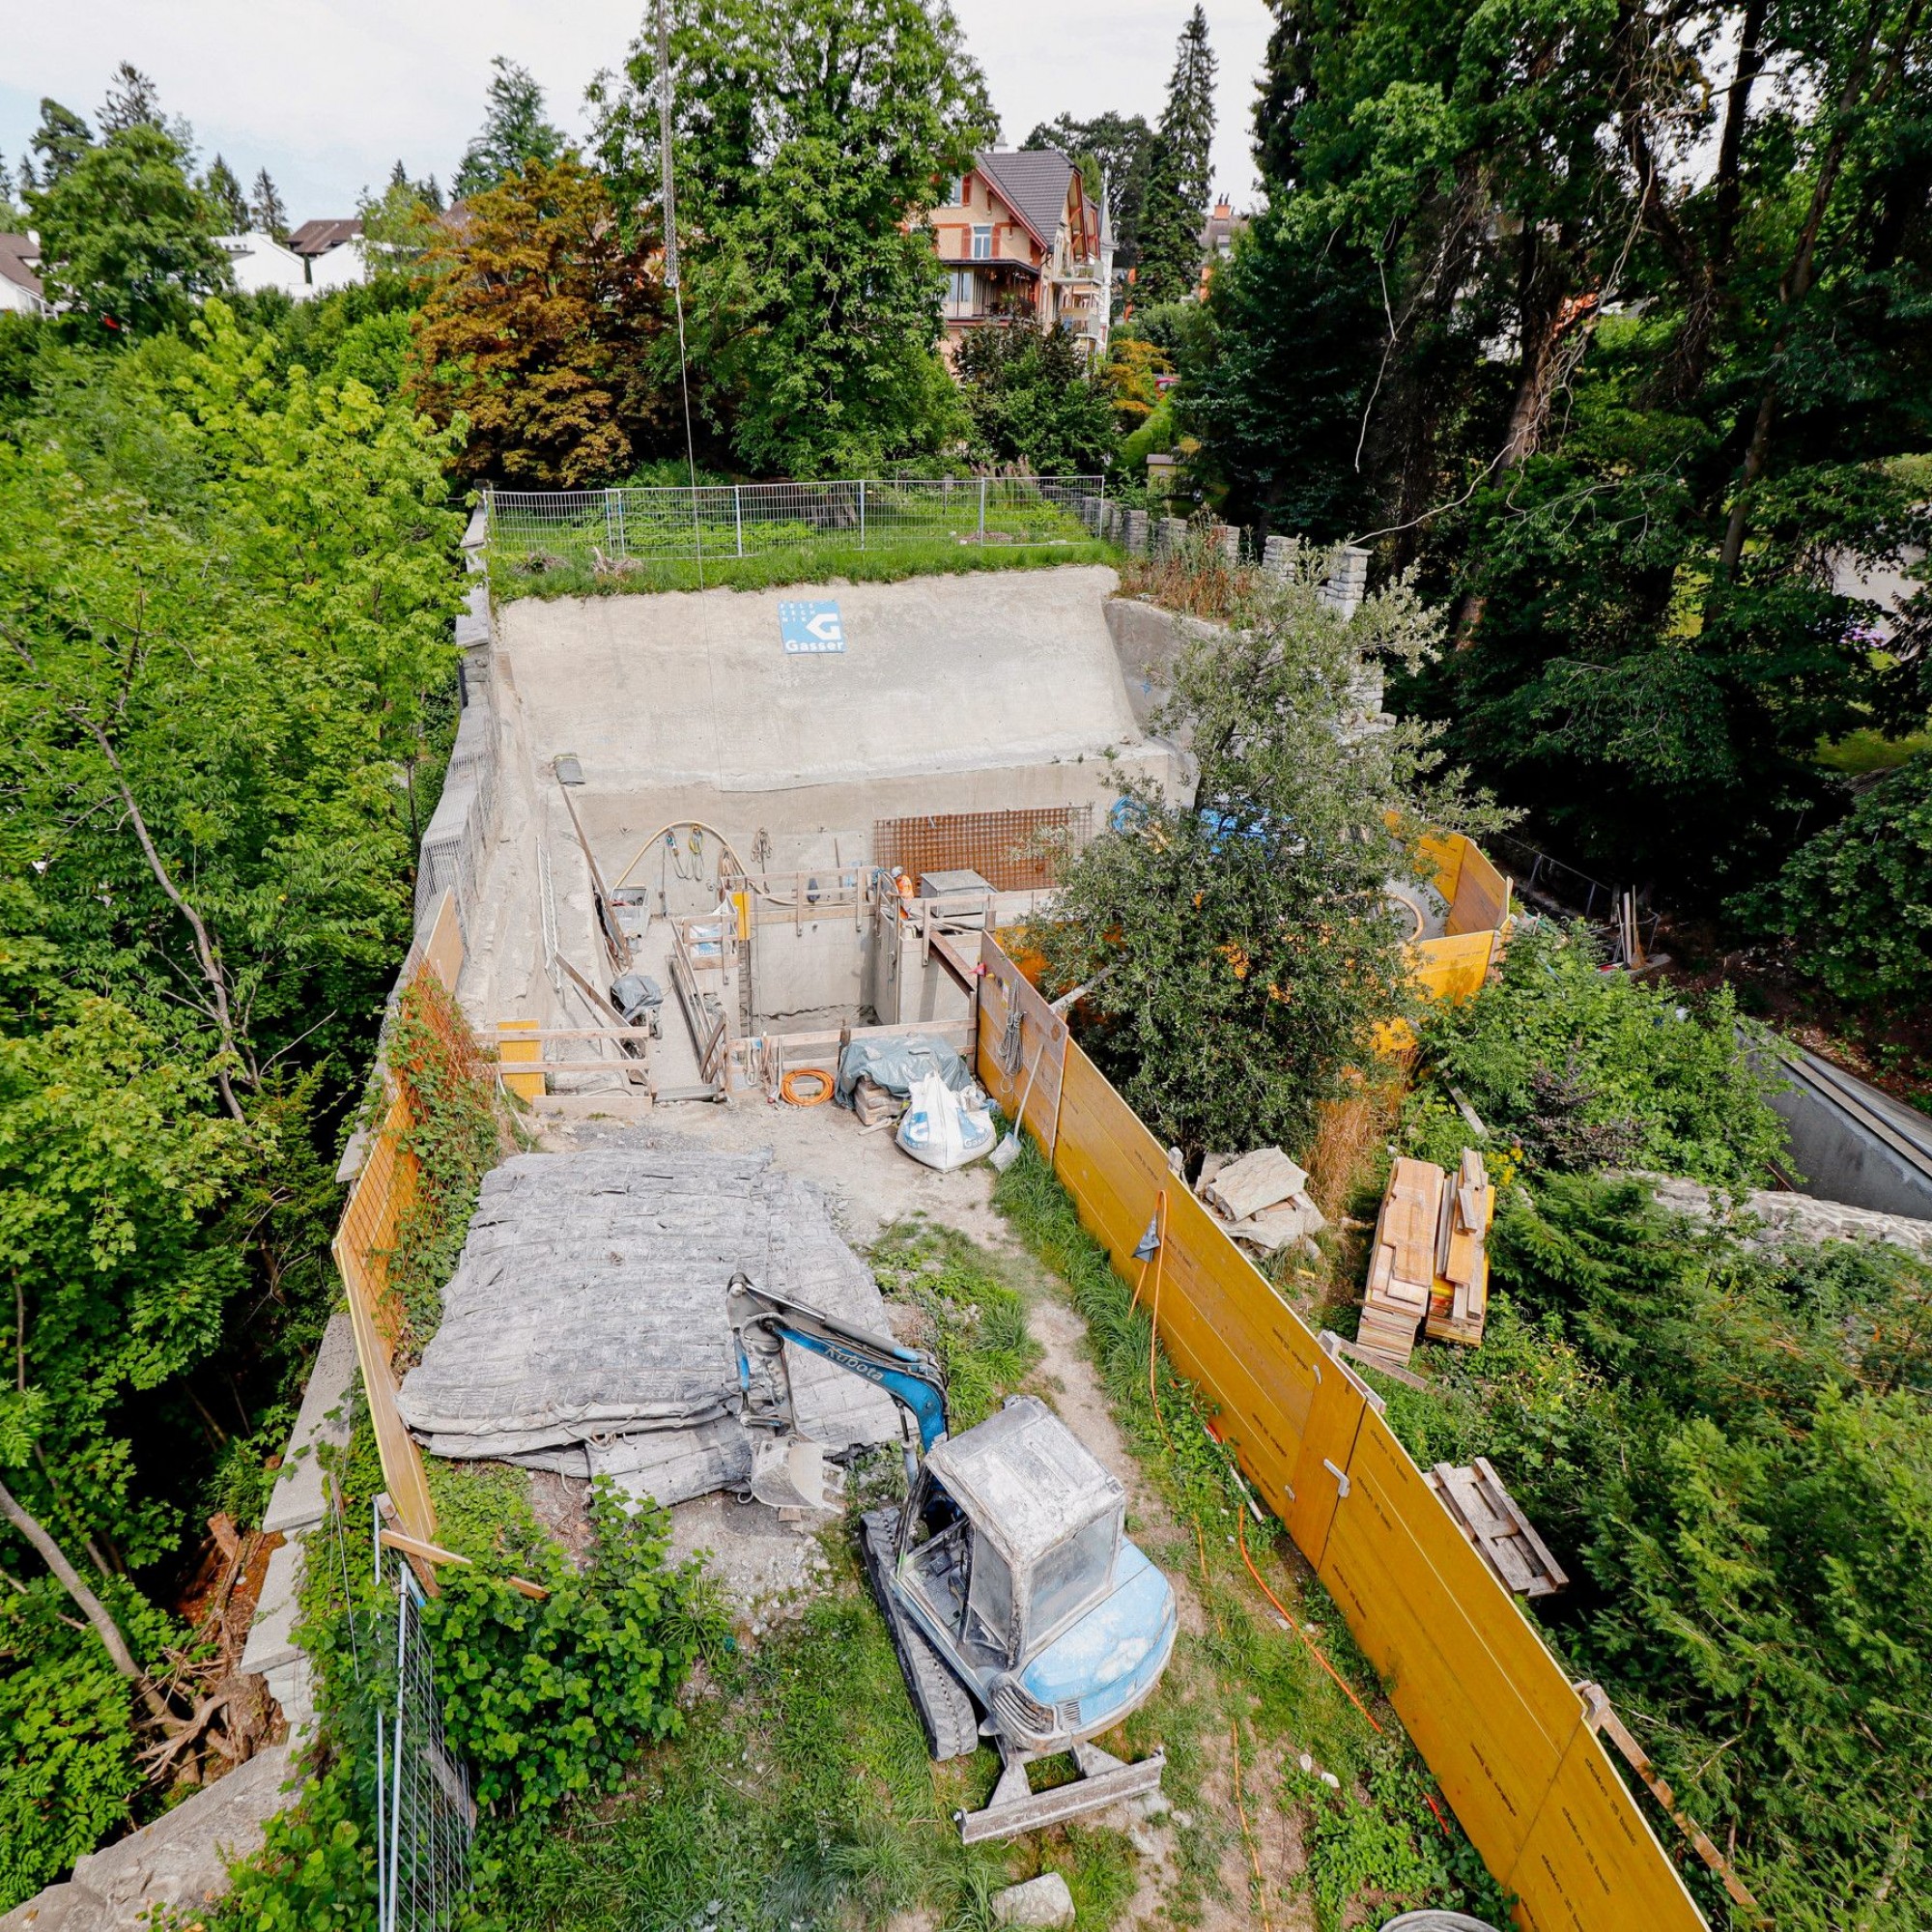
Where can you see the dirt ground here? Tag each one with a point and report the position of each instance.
(870, 1186)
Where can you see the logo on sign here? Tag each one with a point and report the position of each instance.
(810, 627)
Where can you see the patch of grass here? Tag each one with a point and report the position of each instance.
(568, 577)
(977, 1317)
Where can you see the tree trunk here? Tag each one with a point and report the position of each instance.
(204, 944)
(90, 1606)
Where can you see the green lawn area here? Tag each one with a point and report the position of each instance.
(818, 563)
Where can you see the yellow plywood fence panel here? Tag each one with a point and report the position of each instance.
(1454, 968)
(1480, 903)
(365, 1240)
(1487, 1703)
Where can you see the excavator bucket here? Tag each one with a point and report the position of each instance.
(790, 1473)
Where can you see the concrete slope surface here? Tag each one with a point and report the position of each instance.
(938, 674)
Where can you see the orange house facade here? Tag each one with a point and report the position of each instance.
(1020, 238)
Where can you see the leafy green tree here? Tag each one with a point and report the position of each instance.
(1248, 944)
(1179, 179)
(265, 214)
(538, 332)
(514, 133)
(1600, 396)
(1585, 1069)
(809, 134)
(127, 237)
(1122, 145)
(225, 195)
(61, 139)
(1856, 900)
(1033, 400)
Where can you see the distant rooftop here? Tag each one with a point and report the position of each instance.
(1031, 181)
(17, 251)
(318, 238)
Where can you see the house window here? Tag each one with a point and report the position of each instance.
(962, 293)
(982, 241)
(958, 192)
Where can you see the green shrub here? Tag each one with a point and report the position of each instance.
(66, 1740)
(1857, 901)
(553, 1698)
(1586, 1069)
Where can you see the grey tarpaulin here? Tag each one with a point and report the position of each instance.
(584, 1327)
(894, 1063)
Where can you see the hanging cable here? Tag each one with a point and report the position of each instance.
(672, 276)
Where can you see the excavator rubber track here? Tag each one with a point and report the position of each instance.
(945, 1706)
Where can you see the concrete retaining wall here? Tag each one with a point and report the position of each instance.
(1852, 1143)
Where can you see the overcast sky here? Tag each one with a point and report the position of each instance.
(328, 95)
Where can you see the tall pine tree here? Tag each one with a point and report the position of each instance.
(1181, 177)
(224, 191)
(514, 132)
(132, 101)
(267, 215)
(60, 141)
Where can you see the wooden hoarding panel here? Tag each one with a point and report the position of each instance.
(1452, 968)
(1444, 852)
(1481, 897)
(1591, 1859)
(1225, 1328)
(1042, 1044)
(1485, 1702)
(1321, 1469)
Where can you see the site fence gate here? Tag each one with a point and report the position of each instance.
(640, 529)
(425, 1816)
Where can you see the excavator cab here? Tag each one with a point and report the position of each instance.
(1011, 1566)
(1019, 1609)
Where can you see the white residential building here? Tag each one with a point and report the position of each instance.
(19, 284)
(260, 261)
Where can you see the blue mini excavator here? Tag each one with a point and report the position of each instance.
(1020, 1611)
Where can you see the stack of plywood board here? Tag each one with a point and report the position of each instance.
(1459, 1298)
(1402, 1271)
(1487, 1513)
(1261, 1198)
(1430, 1262)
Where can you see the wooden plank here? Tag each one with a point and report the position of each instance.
(442, 949)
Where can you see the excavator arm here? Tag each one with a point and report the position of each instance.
(763, 1320)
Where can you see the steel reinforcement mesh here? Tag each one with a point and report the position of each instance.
(1014, 851)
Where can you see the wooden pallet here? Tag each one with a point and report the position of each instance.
(1487, 1513)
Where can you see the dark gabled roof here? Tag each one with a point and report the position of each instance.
(15, 252)
(318, 238)
(1033, 182)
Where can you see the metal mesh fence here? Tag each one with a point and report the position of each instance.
(1014, 851)
(425, 1817)
(642, 529)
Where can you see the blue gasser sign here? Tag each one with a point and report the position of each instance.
(809, 627)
